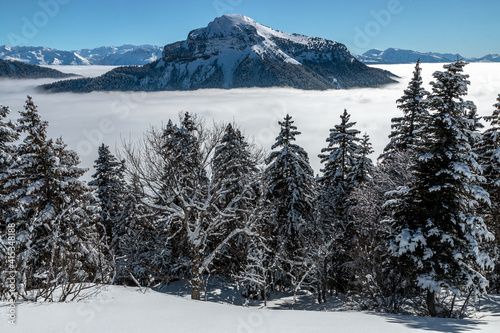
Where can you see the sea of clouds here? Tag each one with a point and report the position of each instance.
(87, 120)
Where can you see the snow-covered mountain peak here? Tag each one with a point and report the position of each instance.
(228, 26)
(244, 28)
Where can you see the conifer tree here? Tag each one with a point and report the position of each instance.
(339, 157)
(488, 149)
(234, 168)
(56, 239)
(335, 186)
(144, 254)
(8, 135)
(362, 170)
(185, 183)
(290, 191)
(406, 129)
(436, 230)
(111, 192)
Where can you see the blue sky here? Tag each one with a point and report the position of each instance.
(467, 27)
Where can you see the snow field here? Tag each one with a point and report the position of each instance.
(128, 310)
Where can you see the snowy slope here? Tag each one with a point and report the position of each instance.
(127, 310)
(234, 51)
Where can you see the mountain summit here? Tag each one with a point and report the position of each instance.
(235, 51)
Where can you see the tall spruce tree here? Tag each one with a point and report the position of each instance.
(406, 129)
(362, 170)
(290, 192)
(436, 231)
(56, 239)
(184, 184)
(111, 192)
(234, 168)
(488, 149)
(335, 186)
(339, 158)
(8, 135)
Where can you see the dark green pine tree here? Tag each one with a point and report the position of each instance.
(488, 150)
(235, 169)
(406, 129)
(290, 192)
(437, 233)
(111, 192)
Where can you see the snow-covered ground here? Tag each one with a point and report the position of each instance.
(87, 120)
(120, 309)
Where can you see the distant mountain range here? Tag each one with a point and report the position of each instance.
(126, 55)
(20, 70)
(234, 51)
(400, 56)
(106, 55)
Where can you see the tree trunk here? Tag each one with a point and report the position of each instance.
(452, 305)
(431, 303)
(325, 280)
(196, 277)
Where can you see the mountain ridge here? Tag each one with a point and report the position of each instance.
(126, 54)
(20, 70)
(402, 56)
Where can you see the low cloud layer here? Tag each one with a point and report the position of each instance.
(87, 120)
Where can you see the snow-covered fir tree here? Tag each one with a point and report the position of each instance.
(185, 183)
(290, 192)
(362, 170)
(57, 243)
(144, 256)
(488, 149)
(339, 158)
(111, 192)
(406, 129)
(339, 177)
(235, 169)
(8, 136)
(436, 230)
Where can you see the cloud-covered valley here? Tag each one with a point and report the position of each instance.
(87, 120)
